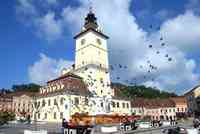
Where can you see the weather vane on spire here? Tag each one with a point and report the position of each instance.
(90, 6)
(90, 20)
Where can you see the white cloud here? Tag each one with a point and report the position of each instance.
(52, 2)
(25, 6)
(130, 42)
(183, 32)
(46, 69)
(162, 14)
(26, 12)
(193, 5)
(49, 27)
(45, 24)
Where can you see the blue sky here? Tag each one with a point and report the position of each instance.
(37, 32)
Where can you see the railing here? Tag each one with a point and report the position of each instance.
(94, 63)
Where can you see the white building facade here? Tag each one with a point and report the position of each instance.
(84, 88)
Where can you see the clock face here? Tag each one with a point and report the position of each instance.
(99, 41)
(82, 41)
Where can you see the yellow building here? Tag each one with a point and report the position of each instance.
(193, 99)
(22, 104)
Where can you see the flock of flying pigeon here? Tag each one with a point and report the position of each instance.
(149, 67)
(118, 69)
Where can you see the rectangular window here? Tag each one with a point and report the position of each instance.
(117, 104)
(43, 103)
(49, 102)
(55, 102)
(101, 104)
(45, 115)
(127, 105)
(54, 116)
(86, 101)
(38, 115)
(61, 101)
(61, 115)
(113, 103)
(123, 105)
(76, 100)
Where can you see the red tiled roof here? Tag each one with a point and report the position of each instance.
(64, 76)
(152, 103)
(179, 100)
(71, 82)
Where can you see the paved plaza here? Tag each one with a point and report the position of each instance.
(56, 128)
(19, 128)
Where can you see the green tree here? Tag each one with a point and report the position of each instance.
(140, 91)
(6, 116)
(26, 88)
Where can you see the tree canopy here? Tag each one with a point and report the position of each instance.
(26, 87)
(141, 91)
(5, 117)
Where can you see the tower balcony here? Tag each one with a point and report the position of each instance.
(94, 64)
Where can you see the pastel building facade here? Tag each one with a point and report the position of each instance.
(68, 95)
(181, 106)
(6, 102)
(22, 104)
(193, 100)
(155, 109)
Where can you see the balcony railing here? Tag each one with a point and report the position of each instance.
(94, 63)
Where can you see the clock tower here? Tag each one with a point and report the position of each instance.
(91, 58)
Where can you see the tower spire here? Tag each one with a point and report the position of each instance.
(91, 20)
(90, 6)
